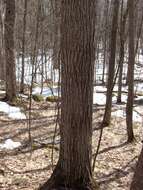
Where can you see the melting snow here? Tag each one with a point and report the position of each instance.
(122, 113)
(46, 91)
(12, 111)
(10, 144)
(2, 92)
(100, 88)
(99, 98)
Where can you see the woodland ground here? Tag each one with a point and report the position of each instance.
(25, 168)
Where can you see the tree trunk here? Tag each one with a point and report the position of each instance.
(106, 10)
(73, 170)
(122, 48)
(9, 50)
(2, 58)
(111, 70)
(56, 45)
(23, 47)
(131, 62)
(35, 47)
(137, 182)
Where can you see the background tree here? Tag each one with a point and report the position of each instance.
(131, 63)
(2, 59)
(9, 50)
(123, 19)
(23, 47)
(112, 58)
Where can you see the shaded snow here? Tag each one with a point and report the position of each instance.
(137, 117)
(100, 88)
(122, 114)
(123, 98)
(119, 113)
(46, 91)
(99, 98)
(48, 71)
(23, 95)
(2, 92)
(10, 144)
(12, 111)
(139, 87)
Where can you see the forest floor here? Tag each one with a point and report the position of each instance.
(28, 166)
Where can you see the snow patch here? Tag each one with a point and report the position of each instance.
(12, 111)
(10, 144)
(2, 92)
(122, 114)
(46, 91)
(100, 88)
(99, 98)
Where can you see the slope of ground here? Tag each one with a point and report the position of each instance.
(27, 167)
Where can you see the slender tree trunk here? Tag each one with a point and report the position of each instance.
(111, 70)
(131, 62)
(73, 170)
(9, 50)
(42, 57)
(56, 46)
(2, 58)
(23, 47)
(105, 39)
(35, 48)
(122, 49)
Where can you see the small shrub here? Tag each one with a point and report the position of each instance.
(37, 97)
(114, 94)
(139, 93)
(53, 99)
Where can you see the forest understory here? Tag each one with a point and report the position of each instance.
(71, 94)
(28, 166)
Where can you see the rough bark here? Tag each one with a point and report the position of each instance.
(9, 50)
(122, 48)
(111, 70)
(23, 47)
(137, 182)
(106, 10)
(73, 170)
(2, 59)
(131, 62)
(56, 44)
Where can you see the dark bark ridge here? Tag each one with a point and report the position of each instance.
(73, 170)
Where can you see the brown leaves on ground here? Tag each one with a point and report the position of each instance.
(25, 168)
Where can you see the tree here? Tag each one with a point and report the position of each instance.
(106, 11)
(56, 33)
(111, 70)
(23, 47)
(73, 169)
(131, 62)
(123, 19)
(9, 50)
(2, 62)
(137, 182)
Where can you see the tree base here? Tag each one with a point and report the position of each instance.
(51, 185)
(57, 182)
(105, 124)
(9, 100)
(48, 187)
(66, 188)
(131, 140)
(119, 101)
